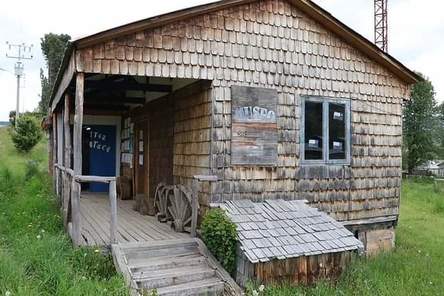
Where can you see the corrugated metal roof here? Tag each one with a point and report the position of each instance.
(278, 229)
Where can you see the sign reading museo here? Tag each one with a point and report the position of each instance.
(254, 126)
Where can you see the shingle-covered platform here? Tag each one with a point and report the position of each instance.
(278, 229)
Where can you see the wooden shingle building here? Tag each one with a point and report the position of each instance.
(276, 98)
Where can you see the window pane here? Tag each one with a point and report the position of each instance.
(313, 131)
(337, 136)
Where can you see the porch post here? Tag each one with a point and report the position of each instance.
(54, 152)
(113, 202)
(67, 129)
(78, 124)
(77, 139)
(67, 162)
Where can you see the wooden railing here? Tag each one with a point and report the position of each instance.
(68, 189)
(194, 199)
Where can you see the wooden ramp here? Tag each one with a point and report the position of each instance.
(172, 267)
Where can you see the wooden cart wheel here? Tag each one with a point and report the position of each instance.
(180, 207)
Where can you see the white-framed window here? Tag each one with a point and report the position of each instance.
(325, 130)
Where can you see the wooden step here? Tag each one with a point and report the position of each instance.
(172, 268)
(211, 286)
(147, 253)
(160, 263)
(145, 261)
(174, 276)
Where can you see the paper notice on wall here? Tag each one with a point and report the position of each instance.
(337, 146)
(313, 143)
(338, 116)
(140, 146)
(140, 159)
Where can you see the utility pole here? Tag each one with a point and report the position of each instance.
(381, 24)
(19, 52)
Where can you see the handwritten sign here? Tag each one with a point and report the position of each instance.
(254, 135)
(98, 141)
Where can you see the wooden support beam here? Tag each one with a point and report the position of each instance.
(54, 141)
(67, 129)
(127, 85)
(66, 194)
(195, 199)
(77, 139)
(75, 208)
(78, 123)
(113, 202)
(94, 179)
(113, 100)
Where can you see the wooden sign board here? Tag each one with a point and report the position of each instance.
(254, 134)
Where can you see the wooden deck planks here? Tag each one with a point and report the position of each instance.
(131, 225)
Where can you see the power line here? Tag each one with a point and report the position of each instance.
(19, 52)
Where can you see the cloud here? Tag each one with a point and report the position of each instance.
(415, 30)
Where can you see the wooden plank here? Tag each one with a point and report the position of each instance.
(77, 139)
(76, 217)
(78, 123)
(120, 263)
(100, 226)
(101, 212)
(64, 79)
(113, 202)
(254, 131)
(96, 223)
(229, 283)
(144, 226)
(67, 160)
(194, 207)
(94, 179)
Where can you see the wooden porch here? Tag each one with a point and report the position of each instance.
(131, 225)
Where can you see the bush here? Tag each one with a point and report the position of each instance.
(26, 134)
(220, 236)
(31, 169)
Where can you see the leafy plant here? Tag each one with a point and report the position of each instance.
(220, 236)
(26, 134)
(31, 169)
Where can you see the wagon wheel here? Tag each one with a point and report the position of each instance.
(161, 201)
(180, 207)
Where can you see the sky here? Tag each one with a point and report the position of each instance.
(416, 33)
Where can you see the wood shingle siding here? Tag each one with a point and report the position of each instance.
(271, 44)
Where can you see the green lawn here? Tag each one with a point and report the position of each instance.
(415, 267)
(36, 257)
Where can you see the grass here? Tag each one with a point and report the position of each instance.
(415, 267)
(36, 257)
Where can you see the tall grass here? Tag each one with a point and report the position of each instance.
(36, 256)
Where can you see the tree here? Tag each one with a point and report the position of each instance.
(26, 133)
(12, 118)
(53, 47)
(419, 125)
(440, 130)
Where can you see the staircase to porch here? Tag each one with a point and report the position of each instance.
(171, 268)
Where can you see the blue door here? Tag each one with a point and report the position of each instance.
(100, 154)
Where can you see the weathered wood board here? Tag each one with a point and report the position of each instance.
(254, 126)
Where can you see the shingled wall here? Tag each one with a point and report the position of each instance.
(272, 44)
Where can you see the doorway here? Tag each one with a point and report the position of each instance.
(99, 154)
(141, 161)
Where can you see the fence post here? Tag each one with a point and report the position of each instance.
(113, 202)
(194, 201)
(75, 207)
